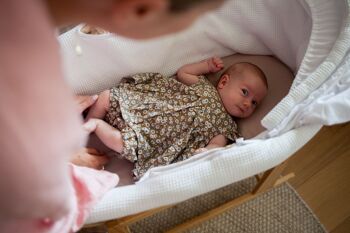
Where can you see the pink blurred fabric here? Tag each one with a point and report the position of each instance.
(89, 186)
(40, 125)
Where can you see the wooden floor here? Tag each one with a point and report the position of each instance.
(322, 170)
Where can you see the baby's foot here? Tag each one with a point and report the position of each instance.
(215, 64)
(90, 125)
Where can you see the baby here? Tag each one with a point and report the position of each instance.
(153, 120)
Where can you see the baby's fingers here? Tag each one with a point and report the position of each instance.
(200, 150)
(215, 64)
(218, 62)
(220, 65)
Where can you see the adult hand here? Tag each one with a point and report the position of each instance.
(85, 101)
(89, 157)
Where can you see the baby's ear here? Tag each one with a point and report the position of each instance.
(223, 81)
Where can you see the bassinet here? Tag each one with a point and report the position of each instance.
(312, 37)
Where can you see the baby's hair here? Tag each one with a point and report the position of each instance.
(233, 68)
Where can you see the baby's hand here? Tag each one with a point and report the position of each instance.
(200, 150)
(215, 64)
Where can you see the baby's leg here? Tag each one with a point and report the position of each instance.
(100, 108)
(109, 135)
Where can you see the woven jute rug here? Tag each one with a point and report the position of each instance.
(278, 210)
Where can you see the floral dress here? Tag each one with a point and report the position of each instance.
(163, 121)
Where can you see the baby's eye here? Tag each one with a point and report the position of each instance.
(254, 103)
(245, 92)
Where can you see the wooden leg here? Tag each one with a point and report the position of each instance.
(98, 227)
(211, 213)
(122, 225)
(269, 178)
(284, 179)
(116, 227)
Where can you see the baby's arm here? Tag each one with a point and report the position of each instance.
(188, 74)
(100, 107)
(217, 141)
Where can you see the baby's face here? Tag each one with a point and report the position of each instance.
(242, 93)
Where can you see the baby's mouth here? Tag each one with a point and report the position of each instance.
(241, 109)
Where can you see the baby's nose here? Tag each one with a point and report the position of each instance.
(246, 104)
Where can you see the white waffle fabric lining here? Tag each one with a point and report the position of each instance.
(311, 37)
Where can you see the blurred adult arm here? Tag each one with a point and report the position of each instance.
(40, 125)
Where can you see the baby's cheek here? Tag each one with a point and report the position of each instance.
(249, 113)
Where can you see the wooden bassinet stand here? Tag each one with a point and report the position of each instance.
(265, 181)
(280, 79)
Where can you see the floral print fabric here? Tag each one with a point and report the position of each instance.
(163, 121)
